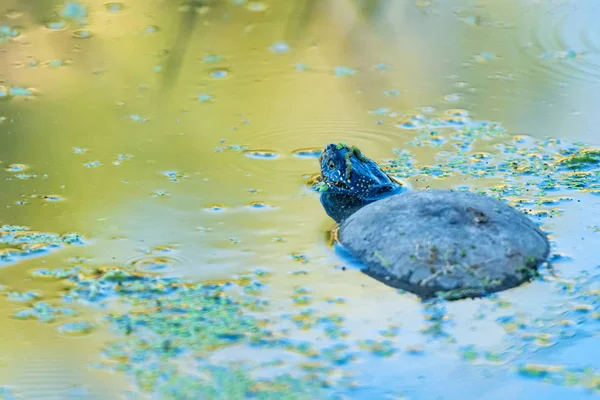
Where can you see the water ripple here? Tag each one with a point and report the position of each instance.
(565, 40)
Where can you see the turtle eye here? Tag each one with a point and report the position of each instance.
(331, 165)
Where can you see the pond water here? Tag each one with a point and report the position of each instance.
(160, 237)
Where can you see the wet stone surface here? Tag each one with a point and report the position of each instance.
(454, 244)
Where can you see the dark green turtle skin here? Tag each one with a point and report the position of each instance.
(350, 181)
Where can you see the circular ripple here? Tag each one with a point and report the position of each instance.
(154, 264)
(565, 41)
(305, 141)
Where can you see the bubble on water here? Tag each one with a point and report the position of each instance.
(256, 6)
(261, 154)
(82, 34)
(115, 7)
(280, 47)
(79, 328)
(311, 152)
(344, 71)
(92, 164)
(215, 207)
(219, 73)
(16, 167)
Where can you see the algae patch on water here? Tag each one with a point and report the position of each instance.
(19, 241)
(169, 329)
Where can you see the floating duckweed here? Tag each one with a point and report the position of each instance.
(17, 241)
(7, 33)
(151, 29)
(23, 296)
(538, 370)
(383, 348)
(160, 193)
(312, 152)
(74, 10)
(44, 312)
(114, 7)
(454, 97)
(56, 25)
(299, 257)
(137, 118)
(79, 328)
(175, 176)
(218, 73)
(20, 92)
(408, 124)
(212, 58)
(586, 159)
(261, 154)
(92, 164)
(16, 167)
(256, 6)
(53, 197)
(215, 207)
(259, 205)
(204, 98)
(456, 112)
(82, 34)
(344, 71)
(280, 47)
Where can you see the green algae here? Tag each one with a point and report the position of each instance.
(20, 241)
(587, 158)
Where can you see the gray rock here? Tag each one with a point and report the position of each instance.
(445, 243)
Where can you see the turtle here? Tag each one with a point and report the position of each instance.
(447, 243)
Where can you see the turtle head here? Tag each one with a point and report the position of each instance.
(350, 181)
